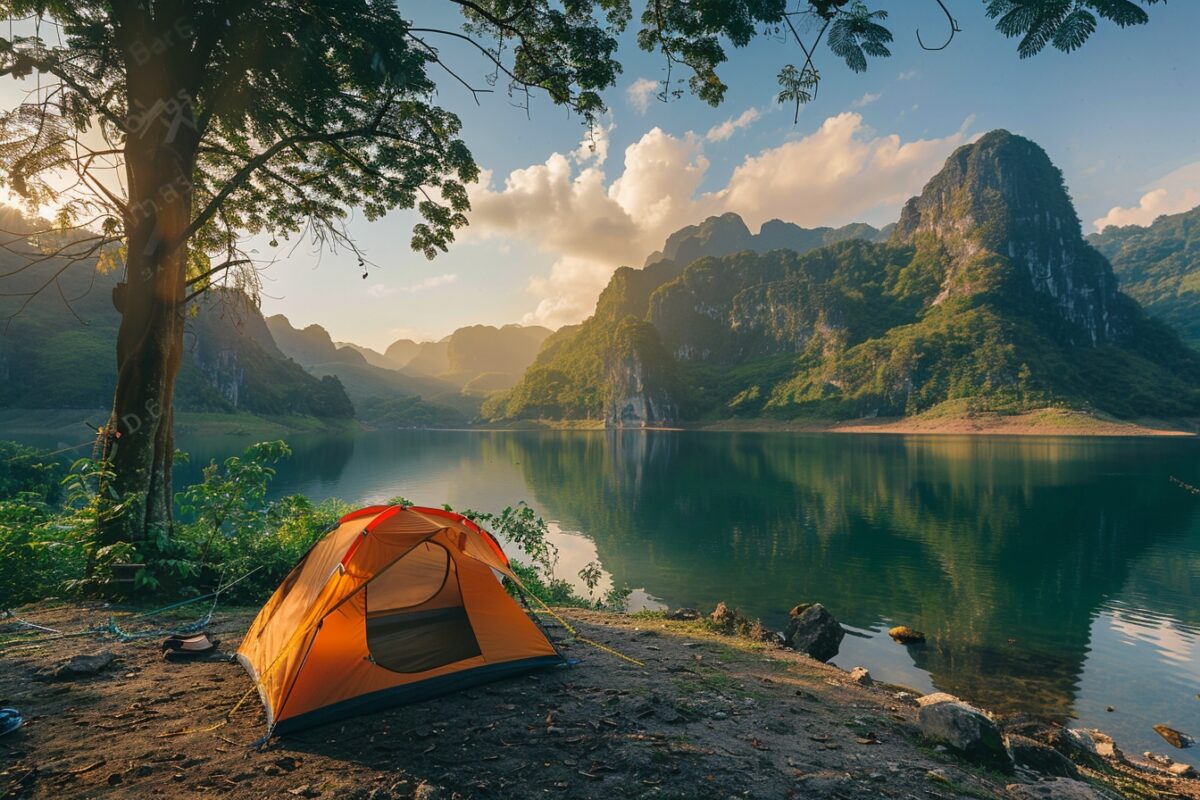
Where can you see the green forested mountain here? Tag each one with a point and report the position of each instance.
(1159, 265)
(59, 350)
(728, 234)
(985, 291)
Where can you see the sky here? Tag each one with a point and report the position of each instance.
(554, 215)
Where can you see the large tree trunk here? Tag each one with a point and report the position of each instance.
(138, 443)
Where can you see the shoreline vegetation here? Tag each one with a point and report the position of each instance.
(956, 422)
(709, 714)
(948, 419)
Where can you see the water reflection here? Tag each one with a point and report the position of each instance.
(1056, 576)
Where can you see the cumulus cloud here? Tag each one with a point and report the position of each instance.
(841, 172)
(1175, 192)
(640, 93)
(719, 133)
(569, 209)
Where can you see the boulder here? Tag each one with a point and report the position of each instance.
(936, 697)
(967, 731)
(1058, 789)
(1174, 737)
(79, 666)
(906, 635)
(814, 631)
(1182, 770)
(861, 676)
(1040, 758)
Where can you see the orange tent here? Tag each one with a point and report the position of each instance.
(394, 605)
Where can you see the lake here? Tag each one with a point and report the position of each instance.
(1058, 576)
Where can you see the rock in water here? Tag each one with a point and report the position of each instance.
(1174, 737)
(906, 635)
(814, 631)
(966, 730)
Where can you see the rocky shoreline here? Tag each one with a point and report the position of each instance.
(718, 708)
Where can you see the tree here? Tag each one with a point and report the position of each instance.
(166, 132)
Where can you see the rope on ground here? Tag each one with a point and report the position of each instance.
(571, 629)
(219, 723)
(110, 627)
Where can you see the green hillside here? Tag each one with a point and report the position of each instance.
(1159, 266)
(59, 350)
(986, 292)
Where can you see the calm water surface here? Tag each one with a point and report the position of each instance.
(1056, 576)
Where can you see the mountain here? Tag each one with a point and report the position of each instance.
(1159, 266)
(478, 358)
(55, 355)
(431, 358)
(372, 357)
(984, 294)
(400, 352)
(379, 394)
(728, 234)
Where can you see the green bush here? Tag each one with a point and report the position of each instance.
(227, 531)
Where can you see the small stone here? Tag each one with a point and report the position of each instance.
(427, 791)
(79, 666)
(905, 635)
(1173, 737)
(1057, 789)
(861, 676)
(684, 614)
(1109, 709)
(1182, 770)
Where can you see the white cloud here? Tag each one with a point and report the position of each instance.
(382, 290)
(840, 173)
(594, 145)
(719, 133)
(1174, 192)
(866, 100)
(640, 92)
(907, 75)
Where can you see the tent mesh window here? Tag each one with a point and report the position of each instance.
(415, 615)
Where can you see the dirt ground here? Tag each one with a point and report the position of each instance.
(707, 717)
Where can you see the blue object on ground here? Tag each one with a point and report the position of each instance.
(10, 720)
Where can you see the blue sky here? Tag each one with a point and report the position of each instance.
(1120, 118)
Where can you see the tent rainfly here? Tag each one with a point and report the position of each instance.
(396, 604)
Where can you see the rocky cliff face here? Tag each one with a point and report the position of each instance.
(1001, 215)
(985, 296)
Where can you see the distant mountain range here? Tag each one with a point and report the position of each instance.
(58, 351)
(450, 377)
(984, 295)
(59, 355)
